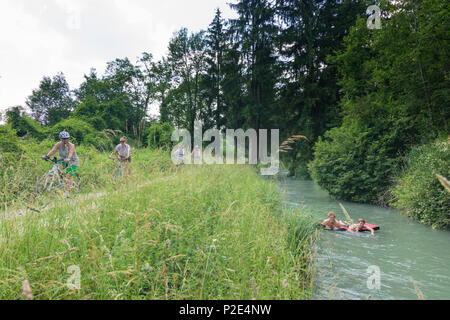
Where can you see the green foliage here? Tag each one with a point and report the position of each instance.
(52, 101)
(418, 192)
(395, 92)
(302, 172)
(355, 162)
(403, 66)
(254, 32)
(10, 147)
(309, 93)
(158, 135)
(106, 115)
(78, 129)
(101, 140)
(187, 61)
(23, 124)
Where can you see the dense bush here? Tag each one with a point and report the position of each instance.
(158, 135)
(297, 161)
(418, 192)
(102, 140)
(9, 143)
(106, 115)
(23, 124)
(10, 147)
(77, 128)
(356, 162)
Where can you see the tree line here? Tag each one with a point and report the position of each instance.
(363, 97)
(265, 69)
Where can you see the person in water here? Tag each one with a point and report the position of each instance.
(360, 226)
(331, 222)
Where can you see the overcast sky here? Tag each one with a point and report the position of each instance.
(43, 37)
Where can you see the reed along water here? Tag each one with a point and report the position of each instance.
(402, 249)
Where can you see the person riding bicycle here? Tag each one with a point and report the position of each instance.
(69, 159)
(180, 155)
(197, 153)
(124, 152)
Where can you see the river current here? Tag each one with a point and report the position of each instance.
(361, 266)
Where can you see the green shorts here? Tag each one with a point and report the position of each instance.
(71, 170)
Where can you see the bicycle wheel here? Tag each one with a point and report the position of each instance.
(76, 183)
(55, 184)
(118, 172)
(48, 183)
(42, 183)
(115, 172)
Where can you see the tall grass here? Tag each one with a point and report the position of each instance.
(418, 192)
(197, 232)
(18, 178)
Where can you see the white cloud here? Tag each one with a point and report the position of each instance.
(43, 37)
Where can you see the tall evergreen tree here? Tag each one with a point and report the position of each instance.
(253, 34)
(309, 93)
(212, 83)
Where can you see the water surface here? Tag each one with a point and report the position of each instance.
(401, 249)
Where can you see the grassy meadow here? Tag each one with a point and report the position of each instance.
(196, 232)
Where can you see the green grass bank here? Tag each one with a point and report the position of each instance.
(199, 232)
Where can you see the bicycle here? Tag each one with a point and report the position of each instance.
(54, 178)
(119, 168)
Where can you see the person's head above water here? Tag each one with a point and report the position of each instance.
(331, 215)
(361, 222)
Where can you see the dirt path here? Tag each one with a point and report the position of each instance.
(84, 197)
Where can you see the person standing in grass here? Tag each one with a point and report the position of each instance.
(197, 153)
(69, 159)
(124, 152)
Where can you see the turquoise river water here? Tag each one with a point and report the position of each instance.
(400, 251)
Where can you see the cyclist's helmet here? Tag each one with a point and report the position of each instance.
(64, 135)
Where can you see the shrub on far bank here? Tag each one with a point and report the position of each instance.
(418, 192)
(355, 162)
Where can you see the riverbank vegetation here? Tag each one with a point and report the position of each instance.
(418, 193)
(395, 103)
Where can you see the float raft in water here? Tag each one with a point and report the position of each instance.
(345, 228)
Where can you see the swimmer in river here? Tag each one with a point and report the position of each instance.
(331, 222)
(359, 226)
